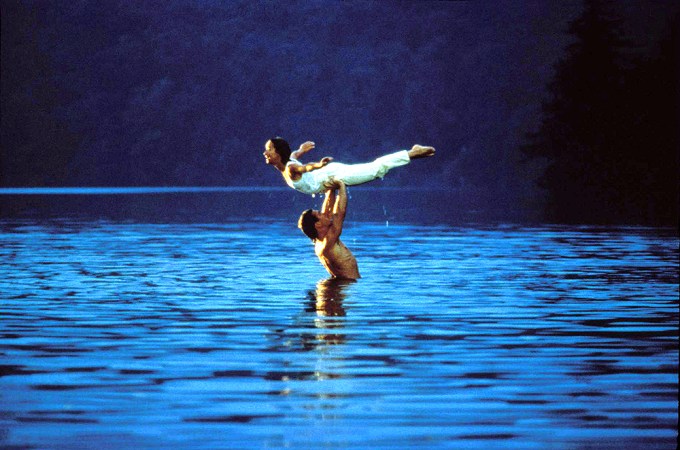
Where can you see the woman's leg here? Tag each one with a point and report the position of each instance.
(353, 174)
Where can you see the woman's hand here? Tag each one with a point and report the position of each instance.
(306, 146)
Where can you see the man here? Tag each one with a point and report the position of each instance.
(324, 228)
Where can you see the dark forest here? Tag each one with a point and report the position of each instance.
(571, 109)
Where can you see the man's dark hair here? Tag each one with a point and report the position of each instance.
(282, 148)
(306, 224)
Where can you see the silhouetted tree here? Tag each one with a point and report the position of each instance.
(580, 119)
(651, 129)
(607, 131)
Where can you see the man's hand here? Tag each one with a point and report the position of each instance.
(331, 184)
(325, 160)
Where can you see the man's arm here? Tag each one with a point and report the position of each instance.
(340, 208)
(339, 211)
(328, 202)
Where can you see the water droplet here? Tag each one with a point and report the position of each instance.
(387, 223)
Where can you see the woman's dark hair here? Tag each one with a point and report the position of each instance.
(306, 224)
(282, 148)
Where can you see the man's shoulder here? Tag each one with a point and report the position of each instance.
(319, 246)
(326, 246)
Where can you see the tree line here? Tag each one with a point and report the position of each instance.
(609, 133)
(186, 93)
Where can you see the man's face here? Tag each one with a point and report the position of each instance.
(270, 155)
(322, 221)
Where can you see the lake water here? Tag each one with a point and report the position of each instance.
(203, 320)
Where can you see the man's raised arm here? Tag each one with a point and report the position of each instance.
(340, 207)
(329, 201)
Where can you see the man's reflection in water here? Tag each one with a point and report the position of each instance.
(327, 301)
(321, 323)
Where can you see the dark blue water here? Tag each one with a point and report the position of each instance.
(124, 327)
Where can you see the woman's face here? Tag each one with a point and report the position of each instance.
(270, 155)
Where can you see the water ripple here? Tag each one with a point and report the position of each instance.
(478, 337)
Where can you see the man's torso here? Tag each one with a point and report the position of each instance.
(338, 260)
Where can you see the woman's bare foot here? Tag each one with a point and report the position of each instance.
(420, 151)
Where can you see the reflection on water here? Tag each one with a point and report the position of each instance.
(328, 297)
(327, 302)
(129, 335)
(322, 319)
